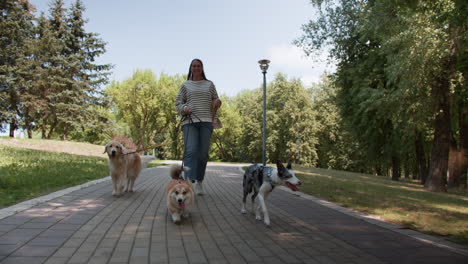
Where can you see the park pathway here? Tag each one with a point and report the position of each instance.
(89, 225)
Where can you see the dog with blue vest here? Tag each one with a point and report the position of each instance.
(261, 180)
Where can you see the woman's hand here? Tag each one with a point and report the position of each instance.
(187, 110)
(215, 105)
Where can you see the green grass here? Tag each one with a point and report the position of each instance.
(155, 163)
(404, 203)
(78, 148)
(27, 173)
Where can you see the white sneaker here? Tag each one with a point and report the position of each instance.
(200, 188)
(196, 187)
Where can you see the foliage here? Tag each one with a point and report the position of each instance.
(396, 66)
(336, 147)
(249, 105)
(290, 123)
(147, 105)
(53, 78)
(16, 28)
(224, 142)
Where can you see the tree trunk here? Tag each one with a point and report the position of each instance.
(13, 127)
(65, 132)
(51, 129)
(464, 147)
(440, 92)
(43, 131)
(378, 170)
(395, 167)
(454, 165)
(28, 122)
(437, 178)
(44, 126)
(420, 158)
(406, 167)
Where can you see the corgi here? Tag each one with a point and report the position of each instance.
(179, 194)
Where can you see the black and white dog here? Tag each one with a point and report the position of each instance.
(262, 180)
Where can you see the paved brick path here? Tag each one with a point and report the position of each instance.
(91, 226)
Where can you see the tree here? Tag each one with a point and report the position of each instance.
(249, 105)
(169, 133)
(291, 122)
(375, 43)
(225, 140)
(16, 29)
(336, 147)
(142, 101)
(363, 94)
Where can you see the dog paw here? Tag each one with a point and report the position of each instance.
(175, 218)
(267, 222)
(243, 211)
(257, 217)
(131, 191)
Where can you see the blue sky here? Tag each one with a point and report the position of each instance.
(228, 36)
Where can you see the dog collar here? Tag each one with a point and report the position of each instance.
(266, 171)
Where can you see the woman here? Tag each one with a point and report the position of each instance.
(197, 102)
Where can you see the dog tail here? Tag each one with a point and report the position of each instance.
(176, 171)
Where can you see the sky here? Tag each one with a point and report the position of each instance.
(230, 37)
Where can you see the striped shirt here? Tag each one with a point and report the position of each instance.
(199, 96)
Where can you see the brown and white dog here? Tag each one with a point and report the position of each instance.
(179, 194)
(124, 164)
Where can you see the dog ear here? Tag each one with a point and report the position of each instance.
(122, 147)
(105, 148)
(279, 166)
(289, 165)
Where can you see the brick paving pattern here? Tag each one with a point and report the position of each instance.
(91, 226)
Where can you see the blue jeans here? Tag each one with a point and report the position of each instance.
(197, 144)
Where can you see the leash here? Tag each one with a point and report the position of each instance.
(142, 149)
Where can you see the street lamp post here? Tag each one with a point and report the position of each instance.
(264, 67)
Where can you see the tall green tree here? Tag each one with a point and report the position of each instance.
(336, 147)
(363, 95)
(168, 130)
(391, 52)
(249, 105)
(224, 141)
(427, 38)
(46, 78)
(16, 29)
(85, 75)
(291, 122)
(66, 94)
(291, 127)
(143, 102)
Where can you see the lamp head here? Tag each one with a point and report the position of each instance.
(264, 65)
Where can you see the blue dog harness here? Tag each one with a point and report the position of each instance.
(266, 171)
